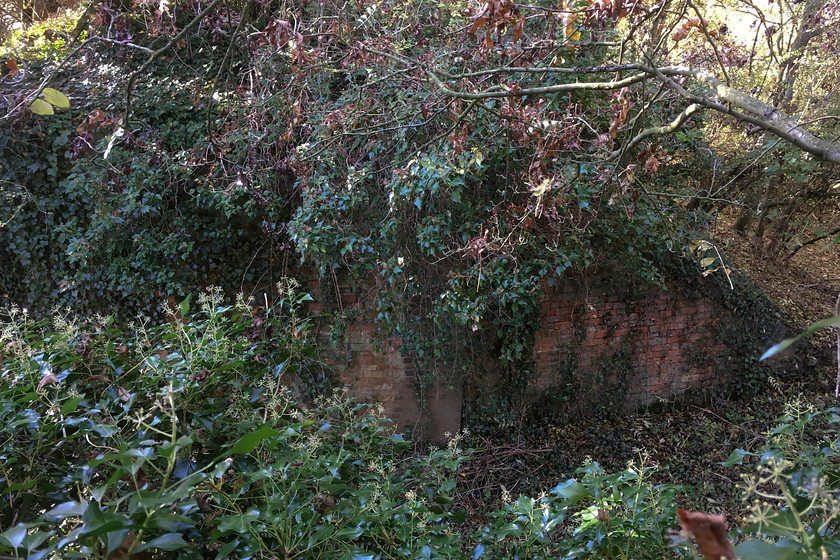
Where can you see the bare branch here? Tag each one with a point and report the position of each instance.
(538, 91)
(752, 110)
(659, 130)
(732, 101)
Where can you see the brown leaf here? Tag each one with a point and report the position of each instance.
(48, 379)
(12, 65)
(710, 533)
(479, 23)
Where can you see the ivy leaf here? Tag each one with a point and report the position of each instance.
(572, 490)
(830, 322)
(184, 307)
(736, 458)
(246, 444)
(65, 510)
(41, 107)
(70, 405)
(756, 549)
(56, 98)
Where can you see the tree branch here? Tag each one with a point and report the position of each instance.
(752, 110)
(659, 130)
(811, 242)
(735, 103)
(537, 91)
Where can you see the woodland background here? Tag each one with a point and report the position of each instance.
(452, 158)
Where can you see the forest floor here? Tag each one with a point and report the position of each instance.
(805, 287)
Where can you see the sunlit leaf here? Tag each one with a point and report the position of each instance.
(41, 107)
(830, 322)
(56, 98)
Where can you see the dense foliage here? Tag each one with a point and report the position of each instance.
(456, 156)
(451, 158)
(185, 441)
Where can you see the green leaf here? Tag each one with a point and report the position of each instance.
(70, 405)
(227, 549)
(736, 457)
(14, 536)
(572, 490)
(56, 98)
(830, 322)
(169, 541)
(19, 486)
(41, 107)
(65, 510)
(348, 533)
(776, 523)
(321, 534)
(755, 549)
(184, 307)
(246, 444)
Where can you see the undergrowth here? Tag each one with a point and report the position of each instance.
(214, 435)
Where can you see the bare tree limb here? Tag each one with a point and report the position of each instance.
(730, 101)
(659, 130)
(811, 242)
(752, 110)
(537, 91)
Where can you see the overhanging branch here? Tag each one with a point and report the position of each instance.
(730, 101)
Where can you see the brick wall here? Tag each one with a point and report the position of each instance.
(376, 371)
(652, 345)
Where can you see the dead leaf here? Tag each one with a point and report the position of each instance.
(48, 379)
(710, 533)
